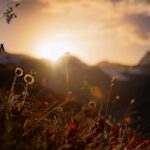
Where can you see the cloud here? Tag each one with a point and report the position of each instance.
(95, 25)
(140, 24)
(126, 17)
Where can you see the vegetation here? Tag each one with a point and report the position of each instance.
(8, 12)
(60, 123)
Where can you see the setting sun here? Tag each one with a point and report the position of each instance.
(53, 49)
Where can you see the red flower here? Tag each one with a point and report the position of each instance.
(71, 127)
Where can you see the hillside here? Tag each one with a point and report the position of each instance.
(34, 116)
(133, 82)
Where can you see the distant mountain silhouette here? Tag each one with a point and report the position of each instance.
(145, 61)
(114, 69)
(55, 75)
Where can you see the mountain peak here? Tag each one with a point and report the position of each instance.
(72, 60)
(145, 61)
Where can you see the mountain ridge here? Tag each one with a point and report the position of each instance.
(145, 61)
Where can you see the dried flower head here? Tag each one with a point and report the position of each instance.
(117, 97)
(84, 83)
(18, 72)
(114, 79)
(59, 109)
(132, 101)
(92, 104)
(29, 79)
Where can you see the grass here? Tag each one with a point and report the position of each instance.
(30, 124)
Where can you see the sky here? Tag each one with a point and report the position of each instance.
(94, 30)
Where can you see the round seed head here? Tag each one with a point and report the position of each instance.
(84, 83)
(18, 72)
(92, 104)
(29, 79)
(59, 109)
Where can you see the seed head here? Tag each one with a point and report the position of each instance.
(29, 79)
(59, 109)
(18, 72)
(132, 101)
(92, 104)
(117, 97)
(114, 79)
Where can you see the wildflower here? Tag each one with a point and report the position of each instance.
(84, 84)
(71, 127)
(92, 104)
(132, 101)
(59, 109)
(114, 79)
(96, 92)
(18, 72)
(29, 79)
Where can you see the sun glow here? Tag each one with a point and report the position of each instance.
(53, 50)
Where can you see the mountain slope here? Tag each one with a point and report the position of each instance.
(145, 61)
(54, 76)
(134, 82)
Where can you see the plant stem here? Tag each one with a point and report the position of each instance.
(12, 89)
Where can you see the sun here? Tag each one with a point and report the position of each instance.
(53, 50)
